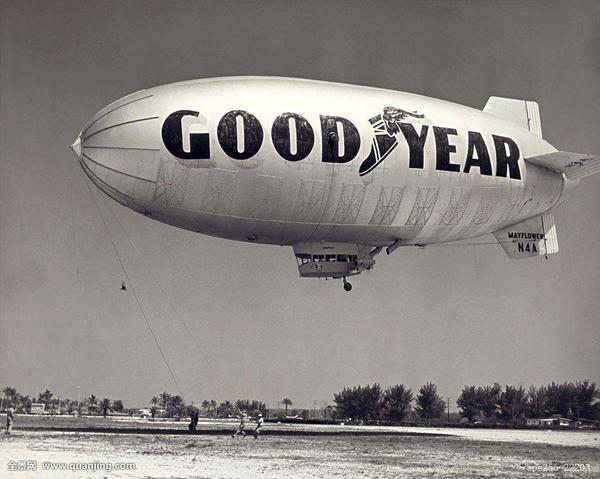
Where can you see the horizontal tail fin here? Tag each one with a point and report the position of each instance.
(524, 113)
(574, 165)
(533, 237)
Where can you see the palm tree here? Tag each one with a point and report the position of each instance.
(10, 393)
(92, 404)
(45, 397)
(286, 402)
(165, 397)
(105, 407)
(206, 405)
(213, 406)
(11, 397)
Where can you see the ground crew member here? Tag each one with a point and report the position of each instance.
(194, 413)
(10, 419)
(242, 425)
(259, 424)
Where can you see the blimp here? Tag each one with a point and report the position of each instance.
(337, 172)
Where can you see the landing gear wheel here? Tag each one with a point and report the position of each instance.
(347, 286)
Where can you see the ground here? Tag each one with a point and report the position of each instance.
(286, 451)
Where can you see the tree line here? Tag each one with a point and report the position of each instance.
(578, 401)
(54, 404)
(161, 405)
(371, 403)
(168, 405)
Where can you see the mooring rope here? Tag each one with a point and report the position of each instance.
(130, 284)
(158, 283)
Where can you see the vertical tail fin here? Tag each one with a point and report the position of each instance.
(533, 237)
(521, 112)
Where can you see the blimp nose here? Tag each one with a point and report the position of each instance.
(118, 152)
(76, 148)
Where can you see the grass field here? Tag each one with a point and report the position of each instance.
(162, 449)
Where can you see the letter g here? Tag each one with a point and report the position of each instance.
(172, 136)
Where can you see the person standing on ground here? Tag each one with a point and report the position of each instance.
(10, 419)
(193, 420)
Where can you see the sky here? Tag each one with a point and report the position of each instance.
(234, 320)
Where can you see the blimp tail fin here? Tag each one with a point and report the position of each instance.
(574, 165)
(524, 113)
(533, 237)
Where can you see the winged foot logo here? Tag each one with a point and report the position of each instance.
(385, 126)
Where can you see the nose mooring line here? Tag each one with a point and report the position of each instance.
(129, 282)
(158, 283)
(75, 244)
